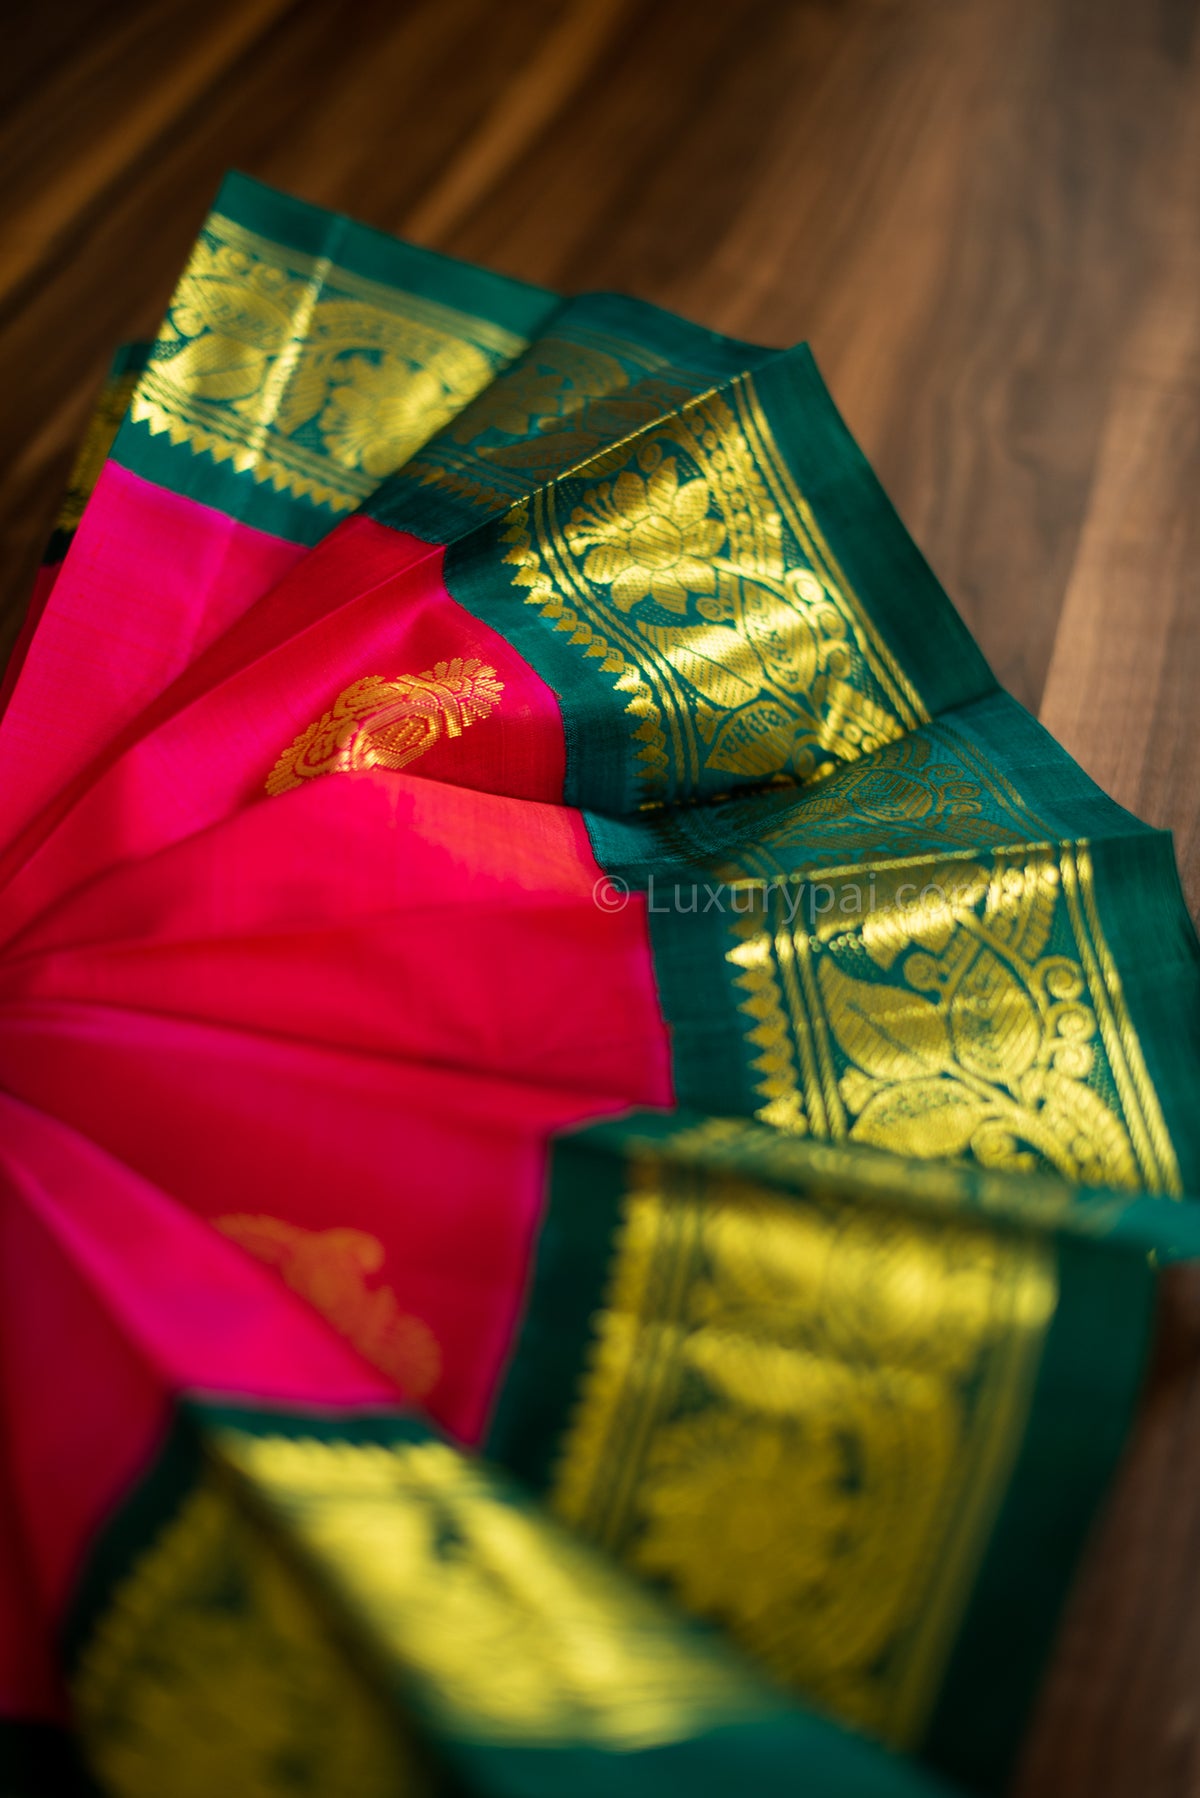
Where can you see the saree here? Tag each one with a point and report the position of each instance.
(592, 1112)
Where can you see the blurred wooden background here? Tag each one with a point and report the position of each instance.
(984, 215)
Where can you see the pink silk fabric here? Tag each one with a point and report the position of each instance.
(363, 1005)
(378, 955)
(368, 601)
(149, 580)
(43, 587)
(114, 1300)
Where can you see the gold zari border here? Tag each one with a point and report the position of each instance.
(303, 374)
(801, 1414)
(687, 565)
(305, 1582)
(985, 1019)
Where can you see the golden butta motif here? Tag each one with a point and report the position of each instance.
(388, 723)
(690, 567)
(968, 1008)
(799, 1414)
(304, 374)
(330, 1268)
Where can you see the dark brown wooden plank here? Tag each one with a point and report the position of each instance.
(361, 118)
(1125, 674)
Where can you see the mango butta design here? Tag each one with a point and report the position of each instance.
(380, 723)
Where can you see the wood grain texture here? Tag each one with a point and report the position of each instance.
(985, 216)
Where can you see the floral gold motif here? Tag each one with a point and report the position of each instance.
(650, 537)
(380, 723)
(800, 1414)
(685, 566)
(303, 374)
(329, 1268)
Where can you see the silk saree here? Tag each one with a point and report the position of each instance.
(592, 1113)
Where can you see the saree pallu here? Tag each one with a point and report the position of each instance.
(620, 759)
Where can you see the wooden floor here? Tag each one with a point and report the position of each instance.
(985, 216)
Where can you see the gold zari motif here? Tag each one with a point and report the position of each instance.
(800, 1414)
(513, 1631)
(561, 403)
(968, 1008)
(304, 374)
(219, 1665)
(378, 723)
(687, 564)
(215, 1670)
(330, 1269)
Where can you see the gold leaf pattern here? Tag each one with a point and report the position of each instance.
(980, 1016)
(381, 723)
(800, 1414)
(305, 375)
(329, 1268)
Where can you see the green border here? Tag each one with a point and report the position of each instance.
(765, 1751)
(197, 476)
(895, 584)
(1050, 798)
(1089, 1378)
(567, 1283)
(173, 1470)
(516, 306)
(625, 328)
(1088, 1383)
(1153, 942)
